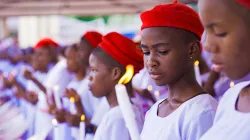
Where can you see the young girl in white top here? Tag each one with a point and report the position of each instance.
(171, 43)
(227, 23)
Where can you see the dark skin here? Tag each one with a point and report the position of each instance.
(79, 67)
(227, 25)
(169, 60)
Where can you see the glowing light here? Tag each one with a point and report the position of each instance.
(231, 84)
(72, 99)
(83, 118)
(128, 75)
(54, 122)
(150, 88)
(196, 63)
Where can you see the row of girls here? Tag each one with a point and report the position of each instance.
(171, 38)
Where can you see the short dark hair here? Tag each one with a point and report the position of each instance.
(107, 59)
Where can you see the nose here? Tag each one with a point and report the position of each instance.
(150, 61)
(209, 44)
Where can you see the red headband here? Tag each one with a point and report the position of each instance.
(93, 38)
(46, 42)
(122, 50)
(173, 15)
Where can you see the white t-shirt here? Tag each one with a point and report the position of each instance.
(113, 126)
(188, 122)
(230, 124)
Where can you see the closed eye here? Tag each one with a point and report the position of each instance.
(163, 52)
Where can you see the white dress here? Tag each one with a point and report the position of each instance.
(188, 122)
(230, 124)
(113, 126)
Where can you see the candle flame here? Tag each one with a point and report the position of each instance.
(72, 99)
(150, 88)
(157, 93)
(128, 75)
(196, 63)
(83, 118)
(54, 122)
(231, 84)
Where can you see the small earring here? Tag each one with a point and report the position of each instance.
(191, 57)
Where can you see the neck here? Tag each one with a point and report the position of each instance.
(184, 88)
(112, 100)
(80, 74)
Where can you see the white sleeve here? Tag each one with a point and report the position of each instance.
(117, 130)
(200, 125)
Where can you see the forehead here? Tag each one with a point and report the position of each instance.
(216, 11)
(156, 35)
(94, 61)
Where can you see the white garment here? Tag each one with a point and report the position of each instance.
(59, 76)
(230, 124)
(113, 126)
(188, 122)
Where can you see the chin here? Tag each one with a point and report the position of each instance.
(160, 83)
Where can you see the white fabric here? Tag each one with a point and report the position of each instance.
(65, 130)
(230, 124)
(113, 126)
(188, 122)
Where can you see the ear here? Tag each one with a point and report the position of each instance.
(116, 73)
(194, 50)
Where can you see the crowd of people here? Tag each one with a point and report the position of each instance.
(49, 91)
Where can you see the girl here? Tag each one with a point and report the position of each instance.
(171, 43)
(227, 23)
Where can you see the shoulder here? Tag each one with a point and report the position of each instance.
(201, 104)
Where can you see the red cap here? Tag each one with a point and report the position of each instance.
(93, 38)
(173, 15)
(123, 50)
(46, 42)
(246, 3)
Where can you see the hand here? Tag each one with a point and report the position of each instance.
(28, 75)
(73, 120)
(32, 97)
(210, 89)
(20, 94)
(52, 108)
(72, 93)
(60, 115)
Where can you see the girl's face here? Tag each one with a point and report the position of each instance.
(228, 36)
(166, 54)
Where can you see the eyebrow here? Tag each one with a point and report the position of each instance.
(155, 45)
(212, 24)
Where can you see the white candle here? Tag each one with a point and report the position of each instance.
(72, 108)
(57, 97)
(82, 128)
(197, 72)
(127, 111)
(56, 130)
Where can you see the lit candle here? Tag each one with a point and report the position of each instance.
(56, 130)
(231, 84)
(150, 88)
(72, 108)
(82, 128)
(197, 72)
(125, 104)
(157, 95)
(57, 97)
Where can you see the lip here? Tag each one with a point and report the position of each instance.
(217, 66)
(155, 76)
